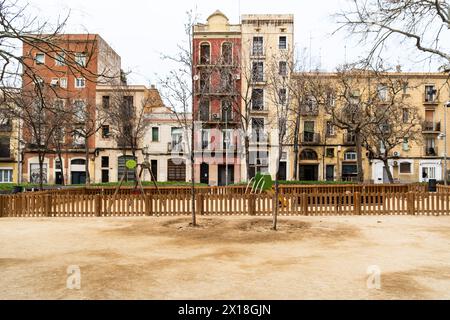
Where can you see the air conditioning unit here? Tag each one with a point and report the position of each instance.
(396, 154)
(215, 116)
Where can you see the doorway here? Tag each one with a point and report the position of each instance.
(223, 175)
(204, 173)
(309, 172)
(78, 177)
(282, 172)
(330, 173)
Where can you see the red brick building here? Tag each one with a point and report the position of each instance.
(70, 68)
(216, 105)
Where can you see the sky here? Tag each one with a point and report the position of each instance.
(141, 30)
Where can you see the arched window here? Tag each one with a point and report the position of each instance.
(350, 155)
(205, 53)
(227, 53)
(308, 154)
(80, 162)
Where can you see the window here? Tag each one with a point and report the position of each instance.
(330, 152)
(6, 175)
(308, 154)
(80, 59)
(227, 111)
(105, 162)
(258, 46)
(282, 67)
(155, 134)
(227, 139)
(405, 167)
(430, 93)
(5, 149)
(34, 173)
(63, 83)
(405, 115)
(60, 59)
(105, 131)
(54, 82)
(259, 162)
(405, 145)
(177, 139)
(227, 53)
(405, 87)
(382, 91)
(80, 83)
(80, 110)
(105, 176)
(176, 170)
(205, 53)
(39, 58)
(258, 71)
(282, 42)
(330, 129)
(258, 99)
(77, 138)
(205, 139)
(282, 95)
(258, 129)
(350, 156)
(204, 110)
(105, 102)
(204, 82)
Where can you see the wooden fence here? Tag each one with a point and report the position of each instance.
(89, 205)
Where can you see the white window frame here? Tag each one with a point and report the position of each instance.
(80, 59)
(159, 134)
(279, 42)
(354, 156)
(61, 81)
(60, 59)
(77, 86)
(10, 174)
(36, 59)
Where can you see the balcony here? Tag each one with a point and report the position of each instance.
(259, 109)
(308, 110)
(260, 138)
(175, 147)
(430, 100)
(431, 151)
(310, 138)
(349, 139)
(431, 126)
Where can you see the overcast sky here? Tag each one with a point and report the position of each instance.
(139, 30)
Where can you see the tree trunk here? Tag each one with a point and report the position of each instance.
(88, 175)
(41, 173)
(360, 176)
(388, 170)
(247, 155)
(194, 218)
(277, 190)
(296, 145)
(63, 180)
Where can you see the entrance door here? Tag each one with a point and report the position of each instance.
(204, 173)
(154, 168)
(78, 177)
(330, 173)
(309, 172)
(282, 173)
(58, 178)
(223, 175)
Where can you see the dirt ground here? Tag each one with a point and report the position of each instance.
(226, 258)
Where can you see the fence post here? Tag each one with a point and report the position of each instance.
(252, 204)
(2, 205)
(305, 203)
(357, 203)
(48, 204)
(199, 199)
(410, 199)
(148, 204)
(98, 205)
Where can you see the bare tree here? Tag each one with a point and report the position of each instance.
(423, 23)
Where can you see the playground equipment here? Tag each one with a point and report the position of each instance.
(264, 183)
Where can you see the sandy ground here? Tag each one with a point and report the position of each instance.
(226, 258)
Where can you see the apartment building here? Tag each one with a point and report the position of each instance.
(9, 145)
(267, 48)
(239, 55)
(95, 63)
(329, 153)
(217, 102)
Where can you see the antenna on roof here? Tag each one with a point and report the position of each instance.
(239, 11)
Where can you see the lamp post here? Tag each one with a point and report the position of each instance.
(225, 109)
(446, 105)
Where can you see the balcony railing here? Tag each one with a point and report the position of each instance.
(175, 147)
(306, 110)
(431, 126)
(310, 138)
(430, 99)
(431, 151)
